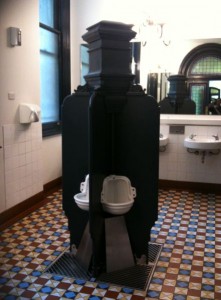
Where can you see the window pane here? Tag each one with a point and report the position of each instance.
(207, 65)
(197, 95)
(49, 73)
(84, 63)
(46, 11)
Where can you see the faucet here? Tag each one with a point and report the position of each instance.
(216, 137)
(192, 136)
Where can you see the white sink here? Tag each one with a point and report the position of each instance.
(200, 142)
(163, 140)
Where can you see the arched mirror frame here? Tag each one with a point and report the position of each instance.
(198, 84)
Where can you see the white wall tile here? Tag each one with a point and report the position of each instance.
(177, 164)
(22, 151)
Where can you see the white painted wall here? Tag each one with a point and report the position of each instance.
(20, 74)
(19, 66)
(178, 164)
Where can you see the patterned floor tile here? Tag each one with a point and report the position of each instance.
(189, 267)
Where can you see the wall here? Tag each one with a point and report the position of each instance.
(19, 66)
(20, 74)
(182, 30)
(177, 164)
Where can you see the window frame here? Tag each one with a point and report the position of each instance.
(62, 21)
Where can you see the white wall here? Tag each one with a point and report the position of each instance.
(179, 165)
(20, 74)
(186, 21)
(19, 66)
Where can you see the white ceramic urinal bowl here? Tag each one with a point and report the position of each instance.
(82, 199)
(117, 196)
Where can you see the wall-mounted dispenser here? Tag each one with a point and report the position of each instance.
(15, 36)
(29, 113)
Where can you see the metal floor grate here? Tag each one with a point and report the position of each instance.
(136, 277)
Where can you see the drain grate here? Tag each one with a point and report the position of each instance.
(68, 266)
(136, 277)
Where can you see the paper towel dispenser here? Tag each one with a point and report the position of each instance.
(29, 113)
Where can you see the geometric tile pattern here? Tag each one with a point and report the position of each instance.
(189, 266)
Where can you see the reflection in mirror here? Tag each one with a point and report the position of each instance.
(84, 62)
(203, 73)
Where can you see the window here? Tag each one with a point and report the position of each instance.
(202, 67)
(54, 61)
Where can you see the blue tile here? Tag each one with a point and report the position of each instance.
(192, 229)
(94, 298)
(207, 287)
(127, 290)
(174, 227)
(184, 272)
(23, 285)
(179, 297)
(38, 250)
(27, 258)
(210, 231)
(210, 225)
(80, 281)
(16, 269)
(164, 258)
(46, 289)
(153, 294)
(47, 262)
(161, 269)
(57, 277)
(57, 233)
(56, 253)
(208, 275)
(186, 261)
(69, 295)
(36, 273)
(191, 236)
(209, 254)
(48, 242)
(14, 236)
(3, 280)
(10, 297)
(31, 239)
(172, 234)
(182, 284)
(209, 264)
(157, 280)
(9, 255)
(210, 238)
(170, 242)
(103, 286)
(3, 244)
(210, 246)
(188, 252)
(167, 250)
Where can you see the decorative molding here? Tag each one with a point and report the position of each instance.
(29, 205)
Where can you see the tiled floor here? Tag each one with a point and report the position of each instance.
(189, 267)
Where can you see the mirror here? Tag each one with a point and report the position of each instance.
(204, 91)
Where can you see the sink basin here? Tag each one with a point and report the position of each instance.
(202, 142)
(163, 140)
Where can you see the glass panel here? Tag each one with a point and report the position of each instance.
(49, 74)
(84, 63)
(46, 12)
(197, 95)
(207, 65)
